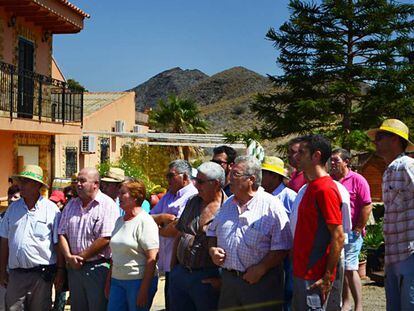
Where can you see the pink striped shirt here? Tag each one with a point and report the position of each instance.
(82, 226)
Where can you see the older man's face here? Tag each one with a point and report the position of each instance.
(240, 183)
(207, 188)
(87, 184)
(175, 180)
(28, 187)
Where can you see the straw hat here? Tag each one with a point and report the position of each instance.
(393, 126)
(115, 174)
(32, 172)
(275, 165)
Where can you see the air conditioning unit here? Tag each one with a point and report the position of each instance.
(138, 129)
(88, 144)
(120, 126)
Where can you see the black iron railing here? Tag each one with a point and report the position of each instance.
(29, 95)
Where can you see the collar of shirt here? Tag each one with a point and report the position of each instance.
(39, 208)
(347, 176)
(246, 206)
(279, 189)
(99, 199)
(183, 194)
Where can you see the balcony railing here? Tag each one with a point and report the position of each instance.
(29, 95)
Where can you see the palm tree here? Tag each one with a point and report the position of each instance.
(178, 115)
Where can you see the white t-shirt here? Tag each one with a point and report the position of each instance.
(130, 239)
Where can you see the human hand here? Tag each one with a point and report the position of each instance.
(218, 255)
(59, 279)
(75, 261)
(4, 279)
(142, 299)
(254, 274)
(325, 285)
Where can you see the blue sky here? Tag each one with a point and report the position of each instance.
(126, 42)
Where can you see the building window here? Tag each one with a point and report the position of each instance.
(104, 150)
(71, 161)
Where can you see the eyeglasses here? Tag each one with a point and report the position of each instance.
(238, 174)
(201, 181)
(380, 135)
(171, 175)
(219, 162)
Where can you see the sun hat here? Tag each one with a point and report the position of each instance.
(115, 174)
(33, 172)
(275, 165)
(57, 196)
(393, 126)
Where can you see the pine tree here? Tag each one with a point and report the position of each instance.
(347, 65)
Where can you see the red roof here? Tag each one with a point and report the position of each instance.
(75, 8)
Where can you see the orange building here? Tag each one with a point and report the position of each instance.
(34, 107)
(107, 115)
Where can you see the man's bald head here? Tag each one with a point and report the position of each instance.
(88, 184)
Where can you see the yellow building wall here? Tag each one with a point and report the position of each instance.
(103, 120)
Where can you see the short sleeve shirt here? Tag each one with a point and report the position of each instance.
(320, 206)
(360, 194)
(82, 226)
(130, 239)
(247, 237)
(31, 233)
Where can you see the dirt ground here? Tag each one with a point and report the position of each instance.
(373, 296)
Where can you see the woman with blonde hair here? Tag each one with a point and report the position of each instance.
(132, 281)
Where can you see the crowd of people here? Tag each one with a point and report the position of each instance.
(239, 234)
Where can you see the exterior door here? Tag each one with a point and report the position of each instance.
(25, 81)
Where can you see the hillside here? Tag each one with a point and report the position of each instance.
(224, 98)
(172, 81)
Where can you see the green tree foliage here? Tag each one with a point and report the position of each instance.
(147, 163)
(347, 65)
(75, 85)
(178, 115)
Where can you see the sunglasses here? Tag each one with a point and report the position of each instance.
(172, 175)
(380, 135)
(219, 162)
(201, 181)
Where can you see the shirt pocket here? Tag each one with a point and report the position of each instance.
(41, 230)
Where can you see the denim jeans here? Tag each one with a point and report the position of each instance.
(187, 292)
(399, 285)
(123, 294)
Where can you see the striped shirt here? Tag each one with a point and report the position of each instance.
(398, 197)
(82, 226)
(247, 233)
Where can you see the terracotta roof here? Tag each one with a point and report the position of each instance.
(75, 8)
(93, 101)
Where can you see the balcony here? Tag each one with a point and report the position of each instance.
(28, 95)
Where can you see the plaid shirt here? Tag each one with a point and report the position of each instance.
(398, 197)
(247, 233)
(82, 226)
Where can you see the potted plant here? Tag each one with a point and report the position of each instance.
(362, 267)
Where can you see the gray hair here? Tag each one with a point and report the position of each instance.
(181, 166)
(253, 168)
(213, 171)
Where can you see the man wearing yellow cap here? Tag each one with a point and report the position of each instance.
(273, 173)
(392, 141)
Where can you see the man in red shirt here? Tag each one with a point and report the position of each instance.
(319, 236)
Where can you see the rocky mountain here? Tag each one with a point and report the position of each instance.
(172, 81)
(224, 98)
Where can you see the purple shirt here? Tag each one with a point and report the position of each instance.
(247, 233)
(171, 204)
(82, 226)
(359, 192)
